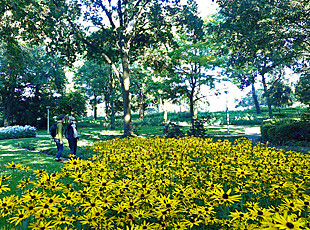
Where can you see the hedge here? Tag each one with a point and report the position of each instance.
(13, 132)
(283, 130)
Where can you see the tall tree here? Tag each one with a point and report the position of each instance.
(140, 84)
(281, 95)
(302, 89)
(256, 36)
(189, 65)
(95, 81)
(132, 24)
(29, 78)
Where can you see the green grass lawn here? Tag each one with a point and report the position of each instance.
(34, 160)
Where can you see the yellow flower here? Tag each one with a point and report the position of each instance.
(23, 183)
(240, 216)
(4, 187)
(19, 216)
(225, 197)
(13, 165)
(63, 219)
(287, 221)
(192, 222)
(93, 205)
(42, 225)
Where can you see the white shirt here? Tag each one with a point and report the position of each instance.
(75, 134)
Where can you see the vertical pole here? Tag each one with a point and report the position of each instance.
(227, 116)
(227, 112)
(48, 119)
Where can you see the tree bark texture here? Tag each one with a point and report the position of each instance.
(267, 96)
(256, 103)
(128, 131)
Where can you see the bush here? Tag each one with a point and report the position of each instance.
(198, 129)
(173, 130)
(13, 132)
(285, 130)
(155, 121)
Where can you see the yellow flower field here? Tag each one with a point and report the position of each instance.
(158, 183)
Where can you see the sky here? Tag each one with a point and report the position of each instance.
(206, 7)
(218, 102)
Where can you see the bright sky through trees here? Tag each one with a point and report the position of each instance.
(218, 102)
(206, 7)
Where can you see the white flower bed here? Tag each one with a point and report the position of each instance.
(17, 131)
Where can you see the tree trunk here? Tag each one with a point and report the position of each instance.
(95, 107)
(112, 104)
(258, 111)
(141, 107)
(6, 115)
(191, 105)
(128, 131)
(112, 114)
(7, 106)
(267, 96)
(106, 108)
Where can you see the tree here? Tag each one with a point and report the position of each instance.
(248, 100)
(280, 95)
(45, 78)
(71, 104)
(95, 81)
(131, 24)
(189, 64)
(302, 89)
(257, 37)
(12, 68)
(29, 77)
(22, 22)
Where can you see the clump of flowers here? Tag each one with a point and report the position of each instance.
(17, 131)
(158, 183)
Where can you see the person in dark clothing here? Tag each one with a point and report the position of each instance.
(72, 136)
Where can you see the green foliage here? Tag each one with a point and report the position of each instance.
(72, 104)
(279, 131)
(261, 38)
(97, 81)
(305, 116)
(280, 95)
(13, 132)
(198, 128)
(248, 102)
(30, 87)
(302, 89)
(173, 130)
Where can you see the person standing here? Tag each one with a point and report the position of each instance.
(72, 136)
(59, 137)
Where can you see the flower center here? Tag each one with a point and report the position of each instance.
(289, 225)
(225, 196)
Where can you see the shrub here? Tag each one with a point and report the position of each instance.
(198, 129)
(285, 130)
(155, 121)
(173, 130)
(13, 132)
